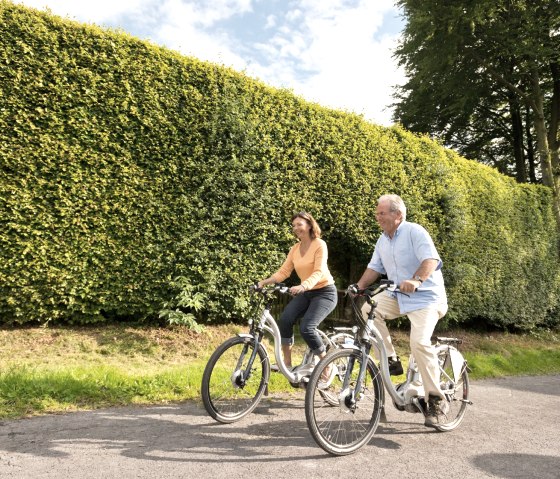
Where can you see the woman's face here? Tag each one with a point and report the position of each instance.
(301, 228)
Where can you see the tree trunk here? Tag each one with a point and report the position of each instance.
(550, 173)
(517, 132)
(530, 148)
(554, 125)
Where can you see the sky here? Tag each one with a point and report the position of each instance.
(338, 53)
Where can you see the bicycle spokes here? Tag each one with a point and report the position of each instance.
(346, 425)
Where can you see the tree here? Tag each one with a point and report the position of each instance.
(484, 70)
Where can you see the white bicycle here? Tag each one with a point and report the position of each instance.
(238, 372)
(359, 386)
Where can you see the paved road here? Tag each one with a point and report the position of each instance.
(511, 431)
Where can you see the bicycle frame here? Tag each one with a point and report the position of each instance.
(412, 389)
(371, 337)
(267, 324)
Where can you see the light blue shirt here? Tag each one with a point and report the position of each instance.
(400, 257)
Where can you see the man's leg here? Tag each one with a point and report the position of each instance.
(423, 323)
(387, 309)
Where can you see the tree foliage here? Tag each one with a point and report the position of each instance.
(484, 77)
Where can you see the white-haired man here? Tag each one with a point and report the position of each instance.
(406, 253)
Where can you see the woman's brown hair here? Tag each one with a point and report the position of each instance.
(315, 231)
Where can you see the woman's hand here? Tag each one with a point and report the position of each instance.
(295, 290)
(264, 282)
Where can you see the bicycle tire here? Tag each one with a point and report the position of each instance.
(224, 396)
(346, 427)
(456, 392)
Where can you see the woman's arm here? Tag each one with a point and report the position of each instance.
(284, 272)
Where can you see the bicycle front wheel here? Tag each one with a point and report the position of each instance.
(455, 386)
(343, 428)
(231, 387)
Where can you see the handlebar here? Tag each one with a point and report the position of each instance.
(370, 292)
(277, 287)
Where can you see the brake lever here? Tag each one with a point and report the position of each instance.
(395, 289)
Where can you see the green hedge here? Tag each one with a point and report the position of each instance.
(125, 165)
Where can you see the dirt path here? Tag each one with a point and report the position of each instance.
(511, 431)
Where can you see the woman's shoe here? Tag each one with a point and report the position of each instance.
(327, 377)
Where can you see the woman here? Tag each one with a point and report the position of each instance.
(315, 297)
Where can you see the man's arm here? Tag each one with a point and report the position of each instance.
(369, 277)
(424, 271)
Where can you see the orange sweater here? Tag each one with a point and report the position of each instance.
(311, 268)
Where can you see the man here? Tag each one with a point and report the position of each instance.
(406, 253)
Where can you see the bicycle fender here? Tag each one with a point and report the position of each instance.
(349, 346)
(250, 336)
(457, 362)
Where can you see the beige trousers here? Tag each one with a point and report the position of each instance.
(422, 325)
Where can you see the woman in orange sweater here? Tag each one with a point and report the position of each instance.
(315, 297)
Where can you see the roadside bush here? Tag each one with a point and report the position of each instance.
(125, 166)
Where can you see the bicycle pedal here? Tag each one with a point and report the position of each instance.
(274, 367)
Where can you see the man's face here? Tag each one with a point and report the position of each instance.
(387, 219)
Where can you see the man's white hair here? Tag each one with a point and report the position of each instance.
(396, 202)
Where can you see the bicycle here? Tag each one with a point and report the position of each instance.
(359, 385)
(238, 372)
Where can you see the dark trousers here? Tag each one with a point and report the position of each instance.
(311, 307)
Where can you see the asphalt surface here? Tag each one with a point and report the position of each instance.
(511, 431)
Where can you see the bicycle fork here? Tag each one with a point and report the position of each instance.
(240, 376)
(349, 397)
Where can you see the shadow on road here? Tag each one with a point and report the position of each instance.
(182, 432)
(518, 465)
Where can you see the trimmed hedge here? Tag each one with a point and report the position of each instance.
(125, 165)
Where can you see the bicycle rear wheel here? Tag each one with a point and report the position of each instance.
(345, 427)
(455, 386)
(225, 394)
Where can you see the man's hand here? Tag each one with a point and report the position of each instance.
(409, 285)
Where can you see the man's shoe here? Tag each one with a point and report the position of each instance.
(437, 409)
(395, 367)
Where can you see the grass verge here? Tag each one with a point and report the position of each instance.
(53, 370)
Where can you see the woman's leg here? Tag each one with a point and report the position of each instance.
(321, 303)
(292, 312)
(287, 355)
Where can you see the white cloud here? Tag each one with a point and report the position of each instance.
(201, 14)
(185, 27)
(270, 21)
(348, 66)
